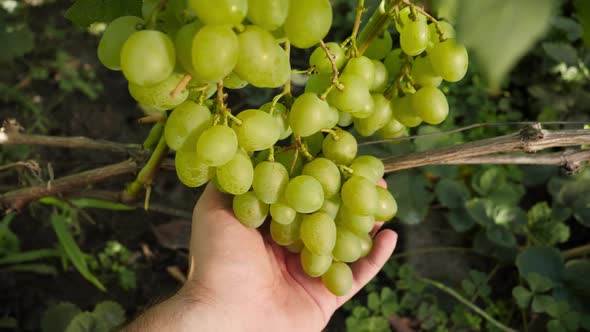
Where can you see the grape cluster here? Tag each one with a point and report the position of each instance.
(290, 161)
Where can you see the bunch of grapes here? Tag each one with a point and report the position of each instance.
(289, 162)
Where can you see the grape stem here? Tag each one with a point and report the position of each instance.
(271, 154)
(153, 18)
(222, 106)
(335, 73)
(421, 10)
(152, 119)
(345, 170)
(181, 85)
(332, 133)
(377, 24)
(303, 148)
(360, 9)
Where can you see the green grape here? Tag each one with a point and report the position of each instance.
(113, 38)
(331, 206)
(190, 170)
(304, 194)
(214, 52)
(380, 46)
(270, 181)
(359, 195)
(332, 117)
(344, 119)
(286, 234)
(327, 174)
(365, 112)
(159, 95)
(394, 63)
(184, 45)
(386, 205)
(354, 222)
(262, 62)
(381, 77)
(393, 129)
(233, 81)
(221, 12)
(169, 18)
(404, 16)
(281, 117)
(338, 279)
(287, 159)
(217, 145)
(319, 58)
(449, 60)
(355, 97)
(380, 116)
(318, 83)
(348, 246)
(236, 176)
(314, 265)
(313, 143)
(414, 38)
(268, 14)
(446, 28)
(369, 167)
(282, 213)
(431, 105)
(296, 247)
(318, 233)
(308, 22)
(309, 114)
(258, 130)
(403, 112)
(250, 211)
(341, 150)
(148, 57)
(423, 74)
(361, 67)
(366, 244)
(186, 123)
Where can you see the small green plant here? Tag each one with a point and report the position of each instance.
(68, 317)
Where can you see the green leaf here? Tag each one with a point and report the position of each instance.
(34, 268)
(86, 322)
(542, 303)
(577, 276)
(583, 14)
(522, 296)
(500, 32)
(85, 203)
(571, 320)
(9, 242)
(571, 27)
(501, 235)
(72, 250)
(558, 309)
(110, 313)
(539, 283)
(57, 317)
(413, 204)
(483, 245)
(373, 301)
(488, 180)
(28, 256)
(460, 220)
(509, 216)
(561, 52)
(545, 261)
(389, 302)
(16, 41)
(451, 194)
(481, 210)
(555, 326)
(86, 12)
(547, 226)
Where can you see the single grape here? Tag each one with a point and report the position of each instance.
(338, 279)
(447, 29)
(190, 170)
(331, 206)
(393, 129)
(318, 83)
(348, 246)
(359, 195)
(159, 95)
(217, 145)
(250, 211)
(369, 167)
(233, 81)
(314, 265)
(381, 77)
(286, 234)
(221, 12)
(148, 57)
(449, 60)
(394, 63)
(186, 123)
(344, 119)
(319, 58)
(404, 113)
(380, 46)
(404, 17)
(308, 22)
(361, 67)
(342, 149)
(380, 116)
(366, 244)
(304, 194)
(258, 130)
(214, 52)
(386, 205)
(355, 97)
(113, 38)
(415, 37)
(318, 233)
(236, 176)
(184, 45)
(296, 247)
(281, 117)
(309, 114)
(282, 213)
(270, 181)
(327, 174)
(423, 74)
(268, 14)
(431, 105)
(354, 222)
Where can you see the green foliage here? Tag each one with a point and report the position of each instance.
(68, 317)
(114, 261)
(57, 317)
(545, 261)
(16, 40)
(413, 205)
(86, 12)
(583, 13)
(547, 226)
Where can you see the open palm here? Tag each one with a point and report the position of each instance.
(244, 273)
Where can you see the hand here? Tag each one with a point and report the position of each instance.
(240, 280)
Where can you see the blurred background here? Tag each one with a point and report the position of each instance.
(449, 257)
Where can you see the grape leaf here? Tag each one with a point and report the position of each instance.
(16, 40)
(86, 12)
(500, 32)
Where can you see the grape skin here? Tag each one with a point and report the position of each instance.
(308, 22)
(217, 145)
(148, 57)
(318, 233)
(235, 176)
(113, 38)
(186, 123)
(250, 211)
(304, 194)
(270, 181)
(338, 279)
